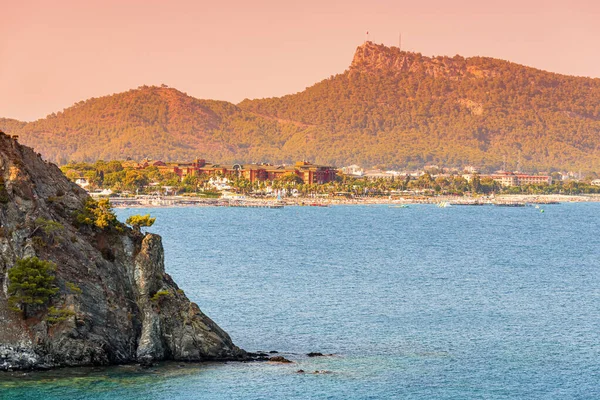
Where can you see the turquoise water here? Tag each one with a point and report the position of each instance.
(416, 303)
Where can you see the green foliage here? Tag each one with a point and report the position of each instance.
(31, 282)
(161, 294)
(38, 241)
(97, 213)
(210, 194)
(49, 227)
(290, 178)
(129, 178)
(57, 315)
(139, 221)
(475, 184)
(73, 288)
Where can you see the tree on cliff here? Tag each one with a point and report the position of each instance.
(31, 283)
(139, 221)
(97, 213)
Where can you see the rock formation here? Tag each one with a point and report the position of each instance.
(377, 58)
(119, 305)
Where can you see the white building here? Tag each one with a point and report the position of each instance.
(353, 170)
(82, 182)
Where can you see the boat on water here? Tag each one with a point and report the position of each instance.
(399, 206)
(443, 204)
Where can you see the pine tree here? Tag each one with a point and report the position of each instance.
(31, 283)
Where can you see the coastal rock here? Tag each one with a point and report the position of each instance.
(120, 305)
(316, 354)
(280, 359)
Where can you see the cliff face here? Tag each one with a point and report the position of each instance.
(122, 306)
(374, 58)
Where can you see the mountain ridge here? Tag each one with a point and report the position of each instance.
(390, 107)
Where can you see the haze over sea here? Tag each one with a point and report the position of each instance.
(416, 303)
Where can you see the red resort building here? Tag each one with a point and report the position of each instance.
(309, 173)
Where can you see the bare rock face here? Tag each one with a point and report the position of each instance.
(124, 307)
(374, 58)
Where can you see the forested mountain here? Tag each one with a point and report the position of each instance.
(390, 108)
(156, 122)
(394, 107)
(11, 125)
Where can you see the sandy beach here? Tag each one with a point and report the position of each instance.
(190, 201)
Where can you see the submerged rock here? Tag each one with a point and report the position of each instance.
(280, 359)
(319, 355)
(121, 305)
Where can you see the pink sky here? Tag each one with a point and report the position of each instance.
(55, 53)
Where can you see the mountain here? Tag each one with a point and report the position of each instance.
(107, 298)
(399, 108)
(157, 122)
(11, 125)
(390, 108)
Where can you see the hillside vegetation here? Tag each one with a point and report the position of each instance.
(155, 122)
(400, 108)
(390, 108)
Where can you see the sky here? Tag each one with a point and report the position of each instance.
(56, 53)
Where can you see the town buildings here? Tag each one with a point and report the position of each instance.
(509, 179)
(318, 174)
(353, 170)
(309, 173)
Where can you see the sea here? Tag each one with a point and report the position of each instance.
(463, 302)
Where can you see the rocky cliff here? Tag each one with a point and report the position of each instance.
(371, 57)
(116, 303)
(377, 58)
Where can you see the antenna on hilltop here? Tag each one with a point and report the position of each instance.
(367, 36)
(400, 41)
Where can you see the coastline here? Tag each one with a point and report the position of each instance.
(187, 201)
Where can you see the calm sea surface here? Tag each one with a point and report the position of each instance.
(416, 303)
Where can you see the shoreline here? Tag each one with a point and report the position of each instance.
(507, 199)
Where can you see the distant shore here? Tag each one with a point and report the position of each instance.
(188, 201)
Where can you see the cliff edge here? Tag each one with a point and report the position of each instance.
(112, 302)
(377, 58)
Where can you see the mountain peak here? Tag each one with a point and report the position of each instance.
(371, 57)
